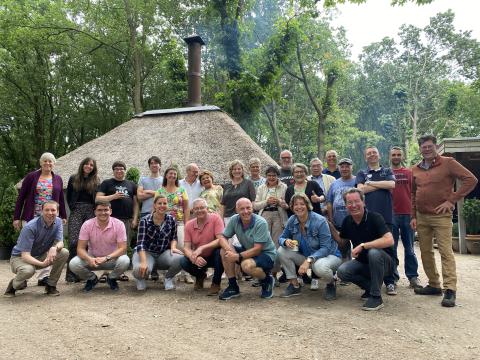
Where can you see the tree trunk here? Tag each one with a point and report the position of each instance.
(272, 120)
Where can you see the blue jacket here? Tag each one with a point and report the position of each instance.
(318, 241)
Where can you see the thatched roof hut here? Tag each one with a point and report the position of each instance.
(204, 135)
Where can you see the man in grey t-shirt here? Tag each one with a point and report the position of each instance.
(39, 245)
(148, 185)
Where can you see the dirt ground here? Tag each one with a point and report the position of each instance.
(188, 325)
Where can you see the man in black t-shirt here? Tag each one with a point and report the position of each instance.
(372, 250)
(122, 194)
(286, 163)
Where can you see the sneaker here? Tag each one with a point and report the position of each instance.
(373, 304)
(391, 289)
(428, 290)
(141, 284)
(51, 290)
(188, 279)
(256, 283)
(214, 289)
(229, 293)
(366, 294)
(10, 292)
(282, 279)
(112, 283)
(43, 282)
(291, 291)
(449, 298)
(169, 284)
(70, 277)
(314, 285)
(306, 279)
(330, 292)
(267, 287)
(90, 284)
(415, 283)
(199, 283)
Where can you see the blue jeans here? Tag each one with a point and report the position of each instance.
(401, 226)
(214, 261)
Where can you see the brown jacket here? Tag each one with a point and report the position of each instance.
(434, 186)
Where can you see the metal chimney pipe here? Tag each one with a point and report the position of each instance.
(195, 43)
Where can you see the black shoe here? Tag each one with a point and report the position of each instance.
(70, 277)
(330, 292)
(428, 290)
(112, 283)
(282, 279)
(51, 290)
(90, 284)
(43, 282)
(307, 280)
(365, 295)
(10, 292)
(373, 304)
(449, 298)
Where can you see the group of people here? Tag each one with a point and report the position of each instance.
(329, 225)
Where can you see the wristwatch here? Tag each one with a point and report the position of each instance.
(108, 257)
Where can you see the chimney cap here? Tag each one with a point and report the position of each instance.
(194, 39)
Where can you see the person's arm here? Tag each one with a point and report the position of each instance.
(223, 242)
(251, 190)
(70, 193)
(260, 199)
(100, 196)
(121, 250)
(61, 198)
(330, 211)
(413, 212)
(383, 242)
(324, 235)
(286, 235)
(317, 193)
(27, 184)
(83, 254)
(29, 259)
(136, 210)
(384, 184)
(336, 236)
(186, 208)
(143, 268)
(143, 195)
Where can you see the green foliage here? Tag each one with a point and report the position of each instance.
(133, 174)
(471, 213)
(8, 196)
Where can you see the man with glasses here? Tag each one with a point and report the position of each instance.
(286, 163)
(372, 249)
(202, 247)
(433, 201)
(122, 195)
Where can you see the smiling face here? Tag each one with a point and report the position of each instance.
(345, 171)
(255, 170)
(396, 157)
(192, 172)
(244, 208)
(237, 172)
(372, 156)
(88, 168)
(299, 175)
(154, 167)
(119, 173)
(428, 150)
(171, 176)
(300, 208)
(206, 181)
(200, 209)
(160, 205)
(47, 165)
(286, 160)
(102, 213)
(49, 213)
(316, 168)
(272, 179)
(331, 157)
(355, 205)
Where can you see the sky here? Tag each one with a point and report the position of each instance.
(371, 21)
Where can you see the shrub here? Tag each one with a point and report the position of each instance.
(8, 196)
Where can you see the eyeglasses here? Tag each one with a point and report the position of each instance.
(286, 157)
(198, 208)
(119, 169)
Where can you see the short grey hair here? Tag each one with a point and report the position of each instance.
(197, 200)
(316, 159)
(48, 156)
(254, 161)
(301, 166)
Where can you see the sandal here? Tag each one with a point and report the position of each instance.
(103, 278)
(123, 277)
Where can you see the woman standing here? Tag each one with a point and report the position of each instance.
(238, 188)
(303, 186)
(177, 206)
(157, 245)
(38, 187)
(81, 190)
(211, 193)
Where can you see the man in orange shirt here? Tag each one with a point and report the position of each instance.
(433, 201)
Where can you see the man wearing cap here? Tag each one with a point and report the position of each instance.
(377, 183)
(332, 168)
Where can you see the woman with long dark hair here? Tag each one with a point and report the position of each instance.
(81, 190)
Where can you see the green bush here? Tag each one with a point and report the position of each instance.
(471, 213)
(8, 196)
(133, 174)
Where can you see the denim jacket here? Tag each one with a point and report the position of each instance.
(318, 241)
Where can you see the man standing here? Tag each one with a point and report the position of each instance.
(286, 163)
(433, 201)
(402, 206)
(191, 184)
(148, 185)
(202, 248)
(372, 249)
(122, 195)
(39, 245)
(324, 180)
(332, 168)
(256, 253)
(376, 182)
(106, 240)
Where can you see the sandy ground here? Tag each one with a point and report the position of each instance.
(189, 325)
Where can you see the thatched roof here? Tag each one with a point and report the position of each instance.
(207, 137)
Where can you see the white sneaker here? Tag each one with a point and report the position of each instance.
(169, 284)
(314, 285)
(141, 284)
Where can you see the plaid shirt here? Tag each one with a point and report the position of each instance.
(156, 238)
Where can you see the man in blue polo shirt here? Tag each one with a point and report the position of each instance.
(39, 245)
(256, 254)
(377, 183)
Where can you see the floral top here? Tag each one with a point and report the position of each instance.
(213, 197)
(43, 193)
(175, 202)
